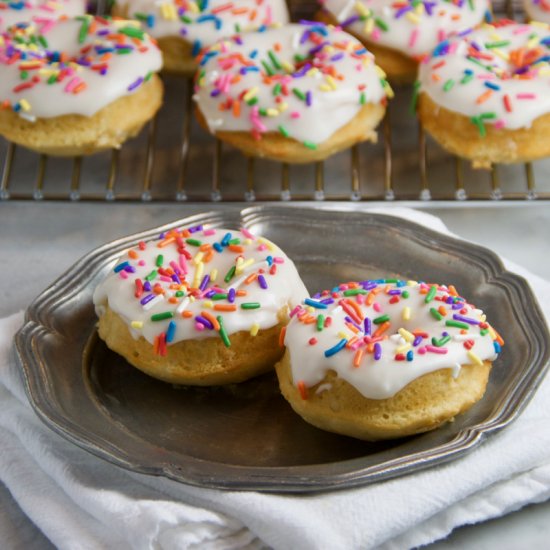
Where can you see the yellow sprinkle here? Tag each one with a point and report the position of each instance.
(419, 9)
(168, 11)
(369, 26)
(250, 94)
(213, 275)
(411, 283)
(283, 107)
(342, 334)
(310, 309)
(492, 332)
(312, 72)
(191, 298)
(406, 314)
(331, 82)
(247, 241)
(198, 258)
(269, 244)
(272, 112)
(254, 329)
(413, 18)
(362, 9)
(193, 7)
(474, 358)
(198, 275)
(403, 348)
(501, 54)
(136, 324)
(533, 42)
(208, 304)
(407, 336)
(287, 66)
(325, 88)
(25, 105)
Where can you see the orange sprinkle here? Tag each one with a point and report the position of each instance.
(225, 307)
(442, 310)
(211, 318)
(302, 389)
(358, 356)
(484, 97)
(166, 242)
(251, 278)
(186, 314)
(381, 329)
(452, 291)
(282, 335)
(241, 293)
(236, 108)
(236, 248)
(133, 254)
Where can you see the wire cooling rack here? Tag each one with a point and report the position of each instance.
(173, 159)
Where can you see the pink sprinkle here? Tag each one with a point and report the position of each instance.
(209, 232)
(521, 30)
(453, 47)
(141, 263)
(375, 34)
(199, 326)
(165, 279)
(526, 96)
(247, 233)
(377, 307)
(421, 350)
(72, 84)
(175, 267)
(278, 260)
(295, 310)
(360, 298)
(269, 16)
(262, 247)
(123, 274)
(441, 35)
(412, 39)
(183, 263)
(295, 114)
(434, 349)
(499, 124)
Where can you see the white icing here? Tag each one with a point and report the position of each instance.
(414, 32)
(334, 100)
(50, 100)
(207, 25)
(528, 98)
(383, 378)
(284, 287)
(38, 11)
(537, 10)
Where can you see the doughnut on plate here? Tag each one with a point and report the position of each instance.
(246, 436)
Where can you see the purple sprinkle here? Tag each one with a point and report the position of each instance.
(231, 295)
(350, 20)
(130, 269)
(327, 301)
(204, 283)
(308, 98)
(195, 228)
(377, 351)
(135, 84)
(417, 341)
(468, 320)
(147, 286)
(394, 292)
(203, 321)
(367, 324)
(262, 281)
(147, 298)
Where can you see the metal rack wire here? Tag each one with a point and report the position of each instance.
(174, 162)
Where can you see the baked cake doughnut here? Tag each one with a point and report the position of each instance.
(296, 94)
(386, 358)
(77, 86)
(183, 27)
(401, 33)
(199, 306)
(40, 12)
(484, 96)
(537, 10)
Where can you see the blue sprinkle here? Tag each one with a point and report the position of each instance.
(315, 304)
(121, 266)
(170, 332)
(335, 349)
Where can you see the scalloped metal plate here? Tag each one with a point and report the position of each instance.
(246, 437)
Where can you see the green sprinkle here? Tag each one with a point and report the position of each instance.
(262, 112)
(354, 291)
(186, 19)
(82, 33)
(488, 116)
(277, 88)
(52, 79)
(193, 242)
(179, 294)
(405, 294)
(381, 24)
(252, 101)
(151, 275)
(250, 305)
(381, 319)
(431, 294)
(480, 126)
(43, 41)
(483, 331)
(448, 85)
(439, 343)
(162, 316)
(274, 60)
(310, 145)
(268, 68)
(219, 296)
(362, 98)
(391, 281)
(457, 324)
(230, 274)
(320, 322)
(123, 51)
(468, 77)
(236, 240)
(23, 75)
(223, 333)
(436, 314)
(283, 130)
(498, 44)
(132, 32)
(299, 94)
(148, 76)
(159, 261)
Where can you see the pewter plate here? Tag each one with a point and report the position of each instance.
(246, 437)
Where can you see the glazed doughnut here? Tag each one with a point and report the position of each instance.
(77, 86)
(199, 306)
(183, 27)
(386, 358)
(537, 10)
(38, 11)
(484, 96)
(401, 33)
(296, 94)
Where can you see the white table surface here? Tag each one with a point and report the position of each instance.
(54, 235)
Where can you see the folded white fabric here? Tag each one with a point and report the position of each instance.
(80, 501)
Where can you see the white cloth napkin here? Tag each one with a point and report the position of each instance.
(80, 501)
